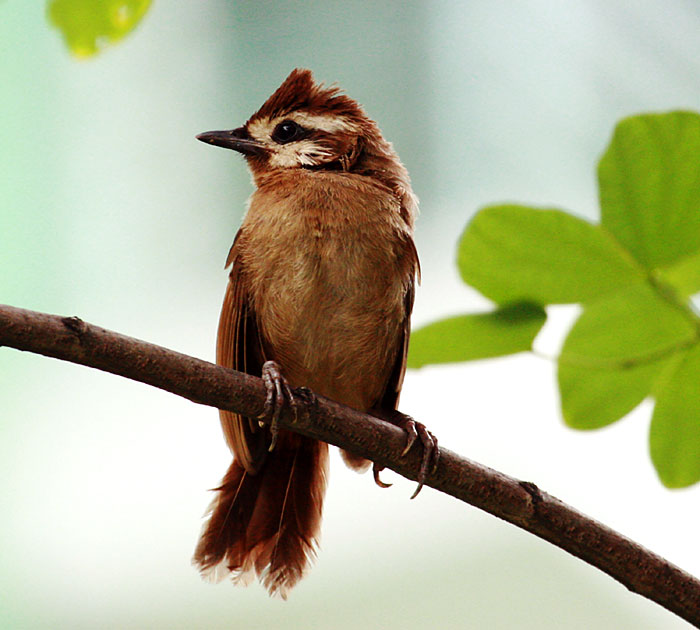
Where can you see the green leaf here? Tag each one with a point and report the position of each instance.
(514, 253)
(615, 352)
(507, 330)
(674, 439)
(88, 25)
(649, 181)
(684, 275)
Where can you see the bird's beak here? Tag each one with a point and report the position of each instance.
(236, 139)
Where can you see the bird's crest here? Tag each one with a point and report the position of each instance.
(299, 92)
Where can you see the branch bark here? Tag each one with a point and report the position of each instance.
(518, 502)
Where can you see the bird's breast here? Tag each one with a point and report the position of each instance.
(328, 268)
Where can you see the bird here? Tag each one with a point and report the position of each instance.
(320, 292)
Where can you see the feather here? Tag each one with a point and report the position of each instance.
(266, 516)
(239, 347)
(299, 92)
(259, 526)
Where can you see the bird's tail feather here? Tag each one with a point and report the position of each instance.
(267, 523)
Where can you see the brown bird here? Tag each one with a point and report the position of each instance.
(320, 295)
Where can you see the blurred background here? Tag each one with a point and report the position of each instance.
(112, 211)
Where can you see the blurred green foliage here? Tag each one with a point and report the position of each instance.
(675, 425)
(616, 351)
(512, 253)
(638, 335)
(649, 182)
(90, 25)
(478, 336)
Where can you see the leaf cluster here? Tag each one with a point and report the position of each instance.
(633, 275)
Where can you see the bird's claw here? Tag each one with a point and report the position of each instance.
(375, 471)
(431, 451)
(409, 425)
(278, 393)
(431, 456)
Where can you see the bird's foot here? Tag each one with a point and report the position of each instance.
(306, 397)
(278, 393)
(415, 430)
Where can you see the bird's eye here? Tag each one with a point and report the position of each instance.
(287, 131)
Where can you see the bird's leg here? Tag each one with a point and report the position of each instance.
(414, 430)
(278, 392)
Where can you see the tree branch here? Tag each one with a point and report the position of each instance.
(520, 503)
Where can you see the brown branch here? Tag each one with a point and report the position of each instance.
(517, 502)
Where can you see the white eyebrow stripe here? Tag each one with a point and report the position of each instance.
(263, 128)
(324, 122)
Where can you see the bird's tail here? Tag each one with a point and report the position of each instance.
(267, 523)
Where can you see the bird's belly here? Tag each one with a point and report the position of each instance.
(333, 320)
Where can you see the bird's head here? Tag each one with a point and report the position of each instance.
(307, 125)
(302, 125)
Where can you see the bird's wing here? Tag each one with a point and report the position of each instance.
(239, 347)
(390, 398)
